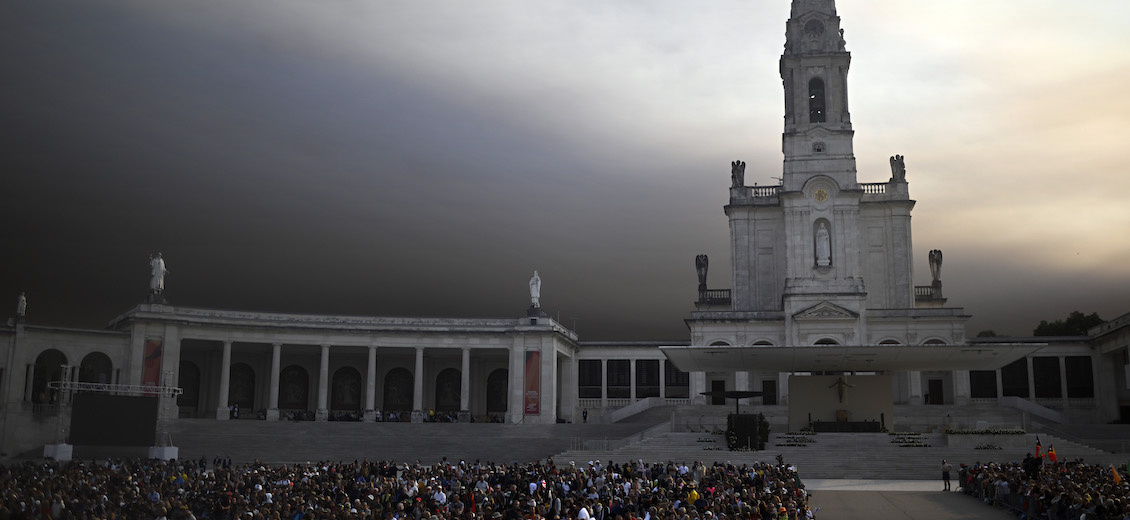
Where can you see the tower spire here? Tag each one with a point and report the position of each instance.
(817, 137)
(800, 7)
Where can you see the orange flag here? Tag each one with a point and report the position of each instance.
(1051, 453)
(1114, 472)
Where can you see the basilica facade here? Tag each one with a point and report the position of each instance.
(821, 323)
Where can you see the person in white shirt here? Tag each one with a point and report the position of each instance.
(583, 512)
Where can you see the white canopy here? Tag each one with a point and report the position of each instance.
(843, 358)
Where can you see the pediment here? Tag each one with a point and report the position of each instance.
(825, 311)
(817, 132)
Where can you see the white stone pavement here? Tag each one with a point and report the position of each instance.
(874, 485)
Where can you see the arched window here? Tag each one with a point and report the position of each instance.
(827, 341)
(816, 107)
(934, 341)
(889, 342)
(48, 367)
(294, 388)
(762, 343)
(188, 378)
(95, 368)
(719, 344)
(241, 389)
(398, 390)
(497, 382)
(346, 394)
(448, 390)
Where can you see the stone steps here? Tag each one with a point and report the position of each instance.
(835, 455)
(290, 442)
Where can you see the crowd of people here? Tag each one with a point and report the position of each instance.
(590, 490)
(460, 490)
(1037, 488)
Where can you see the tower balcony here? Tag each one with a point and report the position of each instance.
(708, 298)
(756, 195)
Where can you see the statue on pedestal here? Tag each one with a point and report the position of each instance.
(823, 247)
(898, 168)
(737, 174)
(157, 272)
(701, 264)
(936, 265)
(535, 290)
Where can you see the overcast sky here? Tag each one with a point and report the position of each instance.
(423, 158)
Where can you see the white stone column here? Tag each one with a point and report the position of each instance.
(697, 387)
(418, 388)
(569, 409)
(603, 384)
(222, 412)
(323, 411)
(273, 404)
(663, 379)
(29, 383)
(465, 382)
(170, 371)
(914, 387)
(371, 386)
(782, 388)
(1063, 380)
(632, 380)
(1031, 378)
(1000, 384)
(741, 383)
(961, 387)
(516, 406)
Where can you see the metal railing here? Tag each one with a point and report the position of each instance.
(764, 191)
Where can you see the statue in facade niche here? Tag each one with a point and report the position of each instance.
(823, 247)
(898, 168)
(737, 174)
(701, 264)
(535, 290)
(157, 272)
(21, 306)
(936, 265)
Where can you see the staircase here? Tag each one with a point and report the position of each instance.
(290, 442)
(836, 455)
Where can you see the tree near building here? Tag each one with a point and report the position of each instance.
(1076, 324)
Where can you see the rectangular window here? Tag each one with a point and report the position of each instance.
(619, 378)
(983, 384)
(647, 378)
(769, 389)
(1045, 371)
(1080, 380)
(677, 383)
(1014, 378)
(588, 379)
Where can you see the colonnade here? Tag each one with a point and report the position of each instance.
(322, 409)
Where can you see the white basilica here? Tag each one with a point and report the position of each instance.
(822, 326)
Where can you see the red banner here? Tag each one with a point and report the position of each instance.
(151, 366)
(533, 383)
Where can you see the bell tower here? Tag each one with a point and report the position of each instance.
(824, 294)
(817, 138)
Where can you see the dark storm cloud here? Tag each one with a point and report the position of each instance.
(293, 182)
(425, 158)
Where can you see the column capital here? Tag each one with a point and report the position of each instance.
(277, 344)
